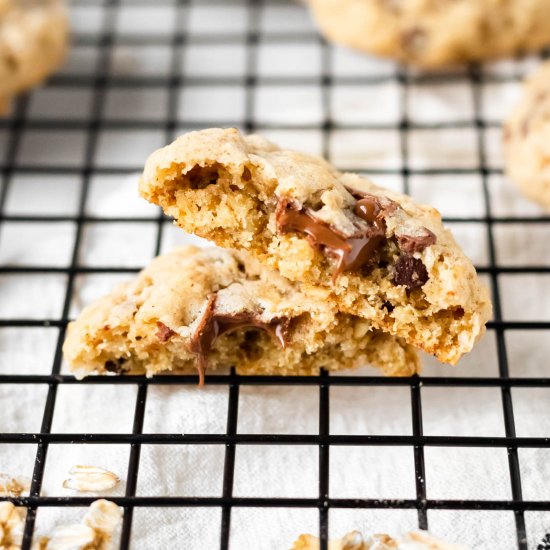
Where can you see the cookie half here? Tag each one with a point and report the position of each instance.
(208, 309)
(376, 253)
(415, 540)
(527, 138)
(33, 43)
(432, 33)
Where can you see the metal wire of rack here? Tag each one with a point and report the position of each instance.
(98, 81)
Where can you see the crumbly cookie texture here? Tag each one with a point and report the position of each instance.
(432, 33)
(199, 308)
(416, 540)
(33, 43)
(375, 253)
(526, 137)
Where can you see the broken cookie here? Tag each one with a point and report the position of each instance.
(206, 309)
(375, 253)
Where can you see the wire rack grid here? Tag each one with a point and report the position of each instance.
(142, 72)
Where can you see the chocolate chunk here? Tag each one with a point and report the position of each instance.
(416, 243)
(202, 176)
(115, 366)
(164, 333)
(213, 325)
(410, 272)
(351, 252)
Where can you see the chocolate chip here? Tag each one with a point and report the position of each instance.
(367, 209)
(416, 243)
(410, 272)
(388, 306)
(164, 333)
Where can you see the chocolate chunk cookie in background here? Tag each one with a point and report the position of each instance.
(415, 540)
(33, 42)
(374, 253)
(526, 137)
(208, 309)
(432, 33)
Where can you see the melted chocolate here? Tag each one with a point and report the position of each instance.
(351, 252)
(358, 250)
(416, 243)
(368, 209)
(164, 333)
(213, 325)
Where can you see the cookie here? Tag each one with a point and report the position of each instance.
(526, 137)
(210, 308)
(33, 43)
(415, 540)
(432, 33)
(376, 253)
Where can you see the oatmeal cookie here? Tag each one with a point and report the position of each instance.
(435, 33)
(33, 43)
(526, 137)
(210, 308)
(375, 253)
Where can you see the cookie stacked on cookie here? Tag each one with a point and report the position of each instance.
(321, 269)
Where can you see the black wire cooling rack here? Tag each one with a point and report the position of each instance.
(103, 29)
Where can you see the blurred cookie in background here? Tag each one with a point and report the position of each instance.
(432, 33)
(33, 41)
(527, 138)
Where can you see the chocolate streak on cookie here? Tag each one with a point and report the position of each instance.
(164, 333)
(416, 243)
(351, 252)
(358, 250)
(213, 325)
